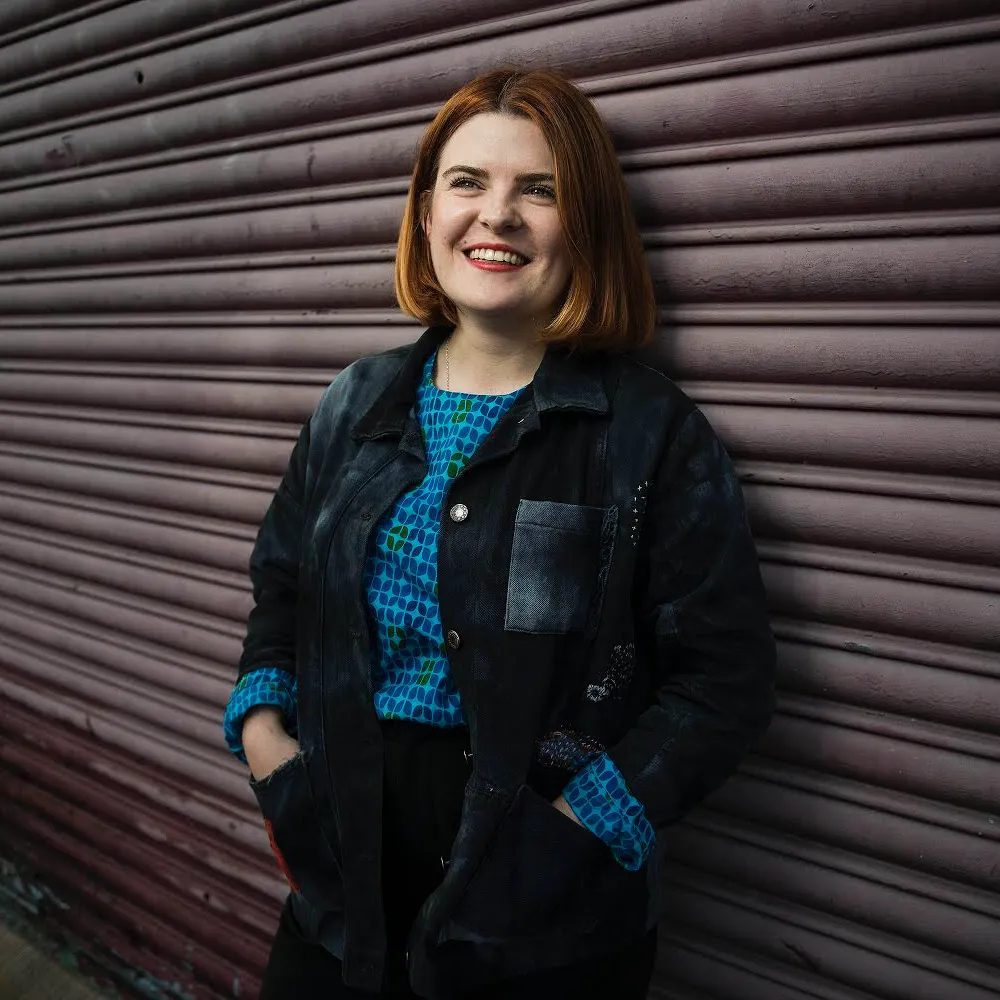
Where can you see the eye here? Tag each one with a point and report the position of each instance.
(541, 191)
(463, 182)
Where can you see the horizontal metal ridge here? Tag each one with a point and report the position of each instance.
(560, 35)
(959, 314)
(45, 585)
(742, 973)
(859, 955)
(962, 313)
(83, 550)
(945, 656)
(357, 256)
(255, 487)
(341, 167)
(87, 514)
(160, 920)
(899, 687)
(879, 604)
(231, 64)
(882, 759)
(358, 320)
(180, 489)
(24, 18)
(175, 582)
(234, 818)
(871, 481)
(822, 397)
(900, 729)
(964, 28)
(705, 357)
(348, 96)
(946, 128)
(885, 267)
(290, 393)
(799, 775)
(184, 441)
(915, 528)
(184, 630)
(178, 856)
(912, 841)
(360, 231)
(158, 711)
(130, 527)
(59, 370)
(733, 835)
(250, 875)
(921, 187)
(104, 645)
(916, 569)
(918, 223)
(876, 357)
(154, 399)
(128, 32)
(207, 773)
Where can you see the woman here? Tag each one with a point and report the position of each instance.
(508, 622)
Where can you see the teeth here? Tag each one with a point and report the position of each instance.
(500, 256)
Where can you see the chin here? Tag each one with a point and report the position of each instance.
(494, 309)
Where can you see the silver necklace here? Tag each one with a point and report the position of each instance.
(447, 368)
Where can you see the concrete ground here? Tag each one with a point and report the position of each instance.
(29, 974)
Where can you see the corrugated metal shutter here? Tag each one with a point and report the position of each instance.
(198, 203)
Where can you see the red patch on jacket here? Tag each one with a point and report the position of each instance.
(281, 858)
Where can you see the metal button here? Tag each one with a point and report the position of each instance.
(453, 639)
(459, 512)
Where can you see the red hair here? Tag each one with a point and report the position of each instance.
(609, 304)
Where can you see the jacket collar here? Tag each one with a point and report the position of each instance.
(564, 381)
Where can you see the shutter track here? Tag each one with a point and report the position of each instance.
(198, 208)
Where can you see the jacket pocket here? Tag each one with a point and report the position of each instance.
(538, 868)
(305, 855)
(558, 564)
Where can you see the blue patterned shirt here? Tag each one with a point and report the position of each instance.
(411, 672)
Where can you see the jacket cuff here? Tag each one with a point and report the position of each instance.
(265, 686)
(600, 798)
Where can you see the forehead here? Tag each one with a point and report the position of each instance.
(498, 143)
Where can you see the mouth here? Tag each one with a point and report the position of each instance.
(496, 256)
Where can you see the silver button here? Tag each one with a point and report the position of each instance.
(459, 512)
(453, 639)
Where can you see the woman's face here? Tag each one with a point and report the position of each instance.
(495, 193)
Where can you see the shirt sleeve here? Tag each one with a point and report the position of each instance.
(265, 686)
(600, 798)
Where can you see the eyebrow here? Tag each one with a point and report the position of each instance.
(479, 172)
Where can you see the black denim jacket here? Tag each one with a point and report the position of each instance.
(603, 593)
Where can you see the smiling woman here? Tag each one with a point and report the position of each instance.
(508, 621)
(525, 156)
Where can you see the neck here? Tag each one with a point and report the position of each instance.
(488, 362)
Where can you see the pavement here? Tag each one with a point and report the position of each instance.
(26, 973)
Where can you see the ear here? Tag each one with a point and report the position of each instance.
(424, 207)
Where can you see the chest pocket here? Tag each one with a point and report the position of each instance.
(558, 566)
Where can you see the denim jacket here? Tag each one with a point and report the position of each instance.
(600, 592)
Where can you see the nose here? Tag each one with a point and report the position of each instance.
(498, 213)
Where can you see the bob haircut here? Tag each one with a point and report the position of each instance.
(609, 303)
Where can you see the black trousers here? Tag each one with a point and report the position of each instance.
(425, 774)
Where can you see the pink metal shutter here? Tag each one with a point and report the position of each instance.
(198, 204)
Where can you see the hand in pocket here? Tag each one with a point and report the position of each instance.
(266, 744)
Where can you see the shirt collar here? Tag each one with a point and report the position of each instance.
(564, 381)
